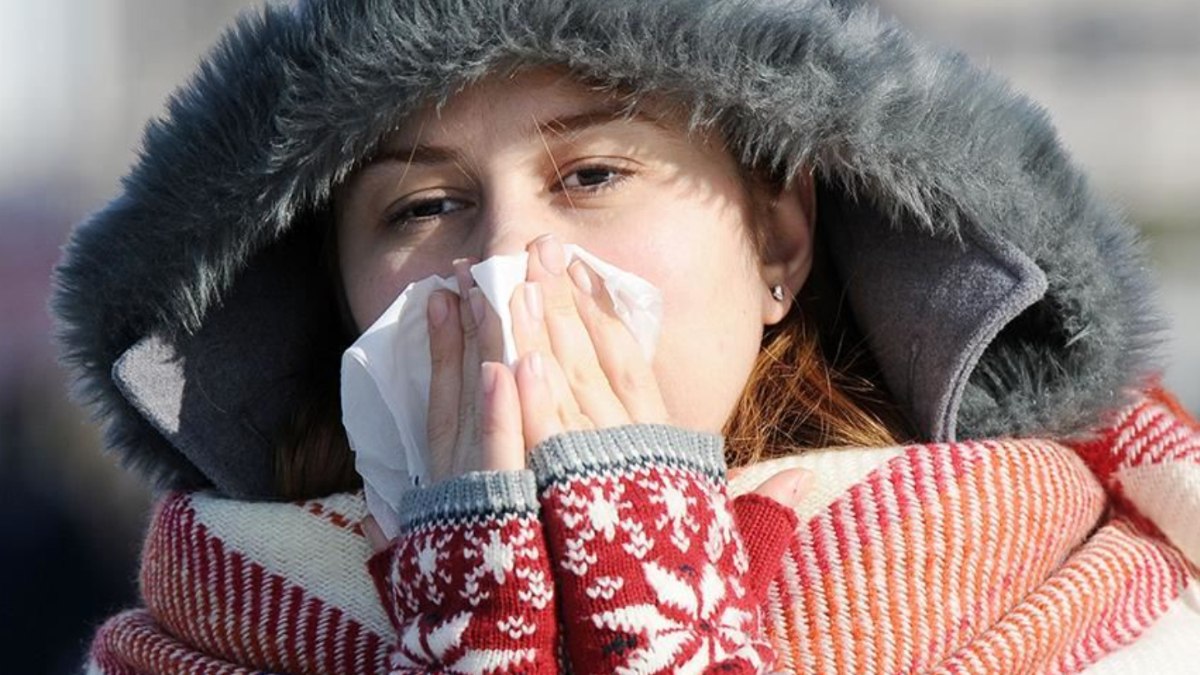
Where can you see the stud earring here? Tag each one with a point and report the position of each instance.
(777, 292)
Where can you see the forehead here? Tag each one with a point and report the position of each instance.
(500, 105)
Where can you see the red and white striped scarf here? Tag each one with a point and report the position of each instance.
(990, 557)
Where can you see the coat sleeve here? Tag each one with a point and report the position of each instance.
(467, 581)
(652, 573)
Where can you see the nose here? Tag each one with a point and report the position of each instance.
(509, 222)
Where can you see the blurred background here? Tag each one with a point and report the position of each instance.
(79, 78)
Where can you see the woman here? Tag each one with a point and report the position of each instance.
(860, 241)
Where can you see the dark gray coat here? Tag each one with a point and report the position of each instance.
(998, 294)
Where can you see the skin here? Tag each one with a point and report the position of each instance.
(530, 162)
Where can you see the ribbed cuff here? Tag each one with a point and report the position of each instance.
(477, 494)
(603, 451)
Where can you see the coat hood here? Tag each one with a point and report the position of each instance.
(997, 293)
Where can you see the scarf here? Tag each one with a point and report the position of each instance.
(1026, 555)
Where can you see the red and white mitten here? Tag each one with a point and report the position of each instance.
(467, 583)
(653, 574)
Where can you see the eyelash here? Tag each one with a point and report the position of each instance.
(618, 176)
(404, 216)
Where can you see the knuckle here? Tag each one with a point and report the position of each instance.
(469, 434)
(578, 422)
(442, 357)
(493, 426)
(444, 350)
(634, 380)
(441, 429)
(441, 438)
(584, 373)
(559, 302)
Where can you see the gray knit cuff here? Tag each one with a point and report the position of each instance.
(471, 496)
(577, 454)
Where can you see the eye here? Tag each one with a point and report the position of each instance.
(593, 178)
(426, 209)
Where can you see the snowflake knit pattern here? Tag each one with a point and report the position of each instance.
(984, 557)
(640, 542)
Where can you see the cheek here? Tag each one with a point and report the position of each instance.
(366, 293)
(704, 358)
(712, 323)
(375, 282)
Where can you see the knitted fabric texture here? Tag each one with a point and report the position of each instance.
(467, 586)
(469, 582)
(1000, 556)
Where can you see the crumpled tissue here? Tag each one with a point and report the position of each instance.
(386, 372)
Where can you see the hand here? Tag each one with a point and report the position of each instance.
(579, 367)
(473, 421)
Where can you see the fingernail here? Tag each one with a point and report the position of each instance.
(536, 365)
(475, 297)
(550, 252)
(533, 300)
(487, 375)
(439, 309)
(582, 279)
(462, 272)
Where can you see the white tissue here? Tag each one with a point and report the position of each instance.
(386, 372)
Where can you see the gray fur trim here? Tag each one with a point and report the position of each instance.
(290, 100)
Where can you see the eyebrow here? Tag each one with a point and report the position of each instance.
(565, 128)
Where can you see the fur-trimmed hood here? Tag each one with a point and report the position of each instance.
(997, 293)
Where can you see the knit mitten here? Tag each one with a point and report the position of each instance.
(467, 582)
(651, 570)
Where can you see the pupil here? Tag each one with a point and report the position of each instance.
(593, 176)
(428, 209)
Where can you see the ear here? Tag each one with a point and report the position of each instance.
(787, 223)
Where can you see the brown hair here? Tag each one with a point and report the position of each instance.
(314, 458)
(312, 455)
(801, 397)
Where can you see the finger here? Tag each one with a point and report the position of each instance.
(466, 443)
(529, 331)
(462, 273)
(490, 332)
(570, 344)
(379, 565)
(503, 447)
(540, 417)
(788, 487)
(445, 381)
(617, 351)
(374, 534)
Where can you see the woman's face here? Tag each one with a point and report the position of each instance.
(511, 159)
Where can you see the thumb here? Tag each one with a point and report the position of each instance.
(379, 566)
(766, 521)
(374, 534)
(787, 487)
